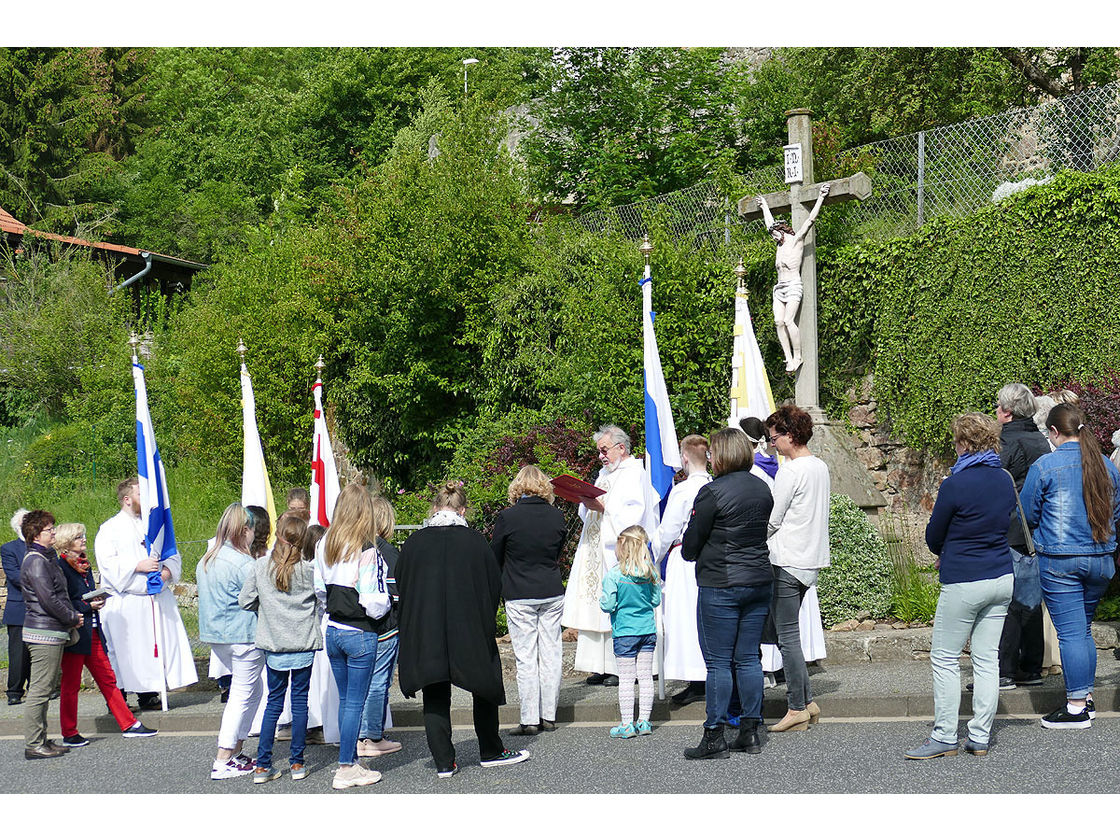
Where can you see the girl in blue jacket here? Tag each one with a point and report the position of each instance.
(631, 590)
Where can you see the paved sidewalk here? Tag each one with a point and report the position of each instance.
(884, 689)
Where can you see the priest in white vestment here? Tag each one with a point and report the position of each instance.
(626, 502)
(683, 658)
(137, 624)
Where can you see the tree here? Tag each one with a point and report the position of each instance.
(619, 124)
(67, 118)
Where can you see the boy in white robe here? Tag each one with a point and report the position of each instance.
(148, 645)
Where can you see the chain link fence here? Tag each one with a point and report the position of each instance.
(949, 171)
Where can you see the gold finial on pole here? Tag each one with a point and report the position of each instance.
(646, 248)
(241, 349)
(134, 343)
(319, 366)
(740, 274)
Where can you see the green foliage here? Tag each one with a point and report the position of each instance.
(1023, 291)
(621, 124)
(914, 586)
(860, 575)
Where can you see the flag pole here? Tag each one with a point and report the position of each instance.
(646, 248)
(157, 614)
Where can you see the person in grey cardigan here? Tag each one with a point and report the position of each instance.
(280, 588)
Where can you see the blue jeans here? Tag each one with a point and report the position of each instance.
(1072, 586)
(277, 688)
(730, 621)
(352, 654)
(377, 700)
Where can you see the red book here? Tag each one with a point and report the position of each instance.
(573, 490)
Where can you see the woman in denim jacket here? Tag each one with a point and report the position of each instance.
(1071, 499)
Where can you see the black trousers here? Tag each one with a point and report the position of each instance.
(437, 725)
(19, 662)
(1020, 645)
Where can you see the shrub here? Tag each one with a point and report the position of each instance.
(914, 586)
(1100, 400)
(860, 575)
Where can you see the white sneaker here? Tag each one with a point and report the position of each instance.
(368, 748)
(507, 757)
(228, 770)
(354, 775)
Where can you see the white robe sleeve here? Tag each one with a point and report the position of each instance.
(627, 506)
(677, 511)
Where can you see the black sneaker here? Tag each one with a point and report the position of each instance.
(1091, 708)
(1060, 718)
(1005, 684)
(507, 757)
(75, 740)
(138, 730)
(448, 772)
(1029, 679)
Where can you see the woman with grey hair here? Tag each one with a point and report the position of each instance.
(626, 501)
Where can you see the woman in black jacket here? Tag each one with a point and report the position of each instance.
(449, 587)
(527, 542)
(46, 629)
(726, 537)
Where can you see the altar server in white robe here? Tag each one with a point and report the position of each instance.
(627, 501)
(683, 659)
(135, 622)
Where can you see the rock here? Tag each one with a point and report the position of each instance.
(866, 625)
(900, 625)
(862, 416)
(871, 457)
(882, 626)
(863, 615)
(504, 640)
(569, 635)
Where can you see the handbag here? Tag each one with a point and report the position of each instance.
(1028, 582)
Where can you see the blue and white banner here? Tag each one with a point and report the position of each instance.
(155, 509)
(663, 453)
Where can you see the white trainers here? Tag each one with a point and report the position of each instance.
(228, 770)
(354, 775)
(368, 748)
(507, 757)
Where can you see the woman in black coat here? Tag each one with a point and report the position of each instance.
(449, 587)
(527, 542)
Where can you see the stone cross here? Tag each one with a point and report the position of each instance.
(800, 198)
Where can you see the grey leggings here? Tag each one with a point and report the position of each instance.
(789, 592)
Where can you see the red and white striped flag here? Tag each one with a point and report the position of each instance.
(324, 475)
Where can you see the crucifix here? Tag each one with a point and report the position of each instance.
(796, 260)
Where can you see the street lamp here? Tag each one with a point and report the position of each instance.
(466, 63)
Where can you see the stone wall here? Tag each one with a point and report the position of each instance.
(907, 478)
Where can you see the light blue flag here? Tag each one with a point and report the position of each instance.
(663, 454)
(155, 509)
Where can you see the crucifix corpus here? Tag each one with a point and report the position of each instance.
(796, 258)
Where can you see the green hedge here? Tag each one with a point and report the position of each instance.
(859, 578)
(1024, 291)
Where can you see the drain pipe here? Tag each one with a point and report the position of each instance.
(147, 267)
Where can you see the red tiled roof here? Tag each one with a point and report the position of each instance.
(10, 224)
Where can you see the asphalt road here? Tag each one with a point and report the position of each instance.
(833, 757)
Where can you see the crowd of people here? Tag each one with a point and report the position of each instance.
(307, 625)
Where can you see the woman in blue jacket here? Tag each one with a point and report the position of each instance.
(968, 532)
(1071, 499)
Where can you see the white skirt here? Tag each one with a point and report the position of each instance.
(811, 630)
(683, 659)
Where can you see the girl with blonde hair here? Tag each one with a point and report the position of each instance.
(231, 634)
(631, 591)
(350, 580)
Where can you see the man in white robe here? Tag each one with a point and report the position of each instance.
(625, 503)
(137, 624)
(683, 657)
